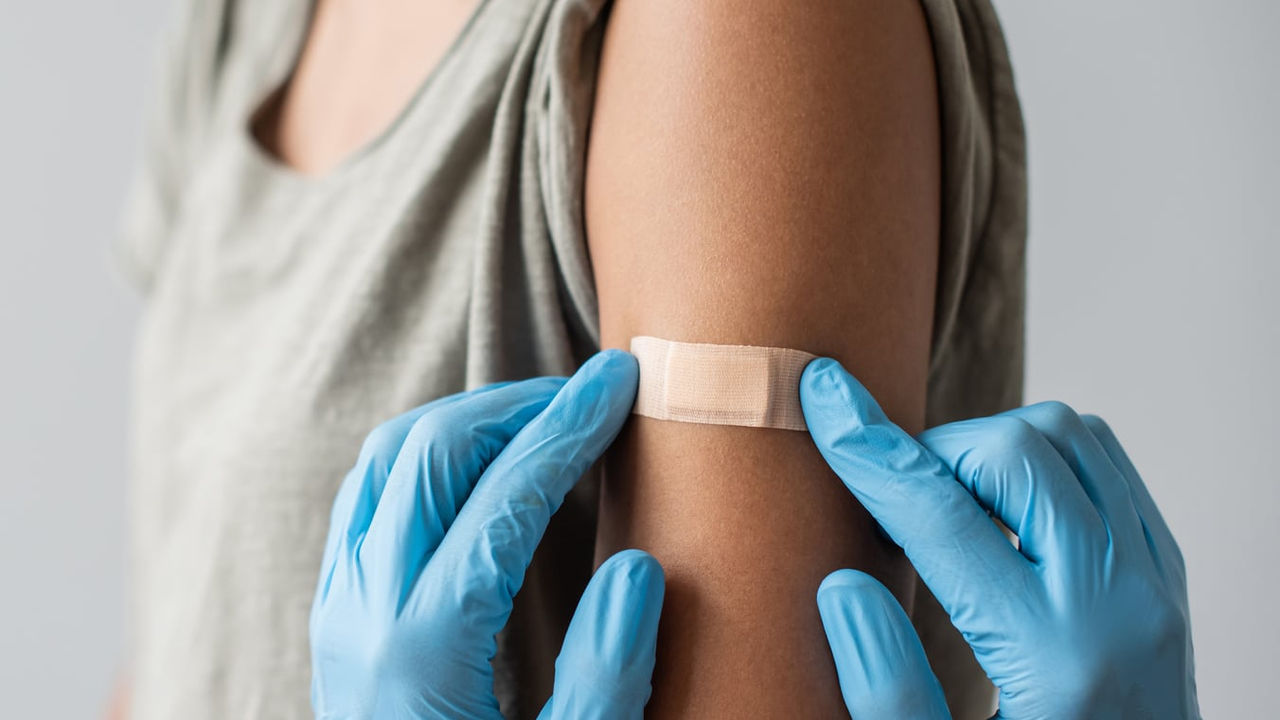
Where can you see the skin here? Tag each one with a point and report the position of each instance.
(760, 174)
(360, 66)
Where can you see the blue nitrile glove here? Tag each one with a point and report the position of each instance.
(429, 540)
(1086, 618)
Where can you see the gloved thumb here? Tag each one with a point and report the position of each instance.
(605, 666)
(881, 664)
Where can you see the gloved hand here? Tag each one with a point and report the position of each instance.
(429, 540)
(1086, 618)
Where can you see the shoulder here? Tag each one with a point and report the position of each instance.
(771, 36)
(746, 107)
(743, 73)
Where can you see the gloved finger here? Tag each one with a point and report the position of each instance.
(955, 547)
(605, 666)
(1099, 477)
(361, 489)
(469, 583)
(440, 461)
(881, 664)
(1013, 471)
(1164, 549)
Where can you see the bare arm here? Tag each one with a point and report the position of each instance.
(761, 173)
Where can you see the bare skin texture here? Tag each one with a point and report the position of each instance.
(359, 68)
(763, 173)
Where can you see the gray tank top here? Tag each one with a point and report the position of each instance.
(287, 315)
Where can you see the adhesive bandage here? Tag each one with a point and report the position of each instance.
(719, 384)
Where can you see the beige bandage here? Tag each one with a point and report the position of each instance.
(719, 384)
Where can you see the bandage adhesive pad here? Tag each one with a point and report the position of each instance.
(742, 385)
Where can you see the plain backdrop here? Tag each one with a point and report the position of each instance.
(1155, 183)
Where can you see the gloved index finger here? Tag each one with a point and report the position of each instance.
(1014, 471)
(955, 547)
(1092, 469)
(469, 583)
(361, 491)
(442, 458)
(1164, 549)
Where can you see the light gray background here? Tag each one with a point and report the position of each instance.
(1155, 176)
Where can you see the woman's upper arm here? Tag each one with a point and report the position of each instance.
(760, 172)
(766, 172)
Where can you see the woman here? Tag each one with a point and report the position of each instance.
(347, 210)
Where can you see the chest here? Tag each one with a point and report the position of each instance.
(360, 67)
